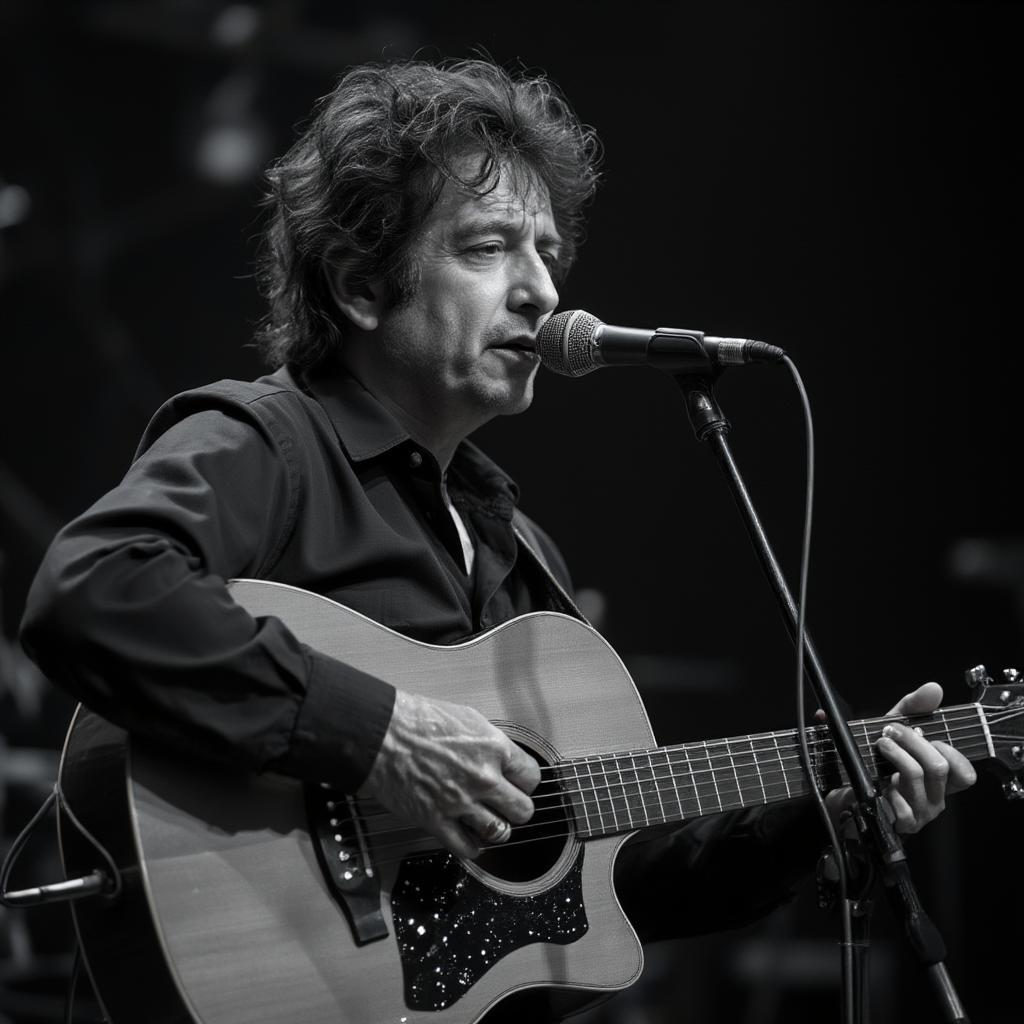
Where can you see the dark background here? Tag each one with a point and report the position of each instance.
(841, 180)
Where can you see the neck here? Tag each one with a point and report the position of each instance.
(626, 791)
(433, 427)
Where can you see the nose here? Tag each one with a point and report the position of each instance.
(533, 292)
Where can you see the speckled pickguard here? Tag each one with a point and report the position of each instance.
(451, 928)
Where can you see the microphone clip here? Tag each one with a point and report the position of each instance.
(706, 416)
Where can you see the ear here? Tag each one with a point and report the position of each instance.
(360, 300)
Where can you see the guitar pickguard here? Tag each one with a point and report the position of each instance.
(451, 927)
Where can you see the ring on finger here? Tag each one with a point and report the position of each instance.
(497, 830)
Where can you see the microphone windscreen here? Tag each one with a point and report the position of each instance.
(565, 343)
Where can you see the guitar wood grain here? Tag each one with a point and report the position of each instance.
(244, 918)
(225, 916)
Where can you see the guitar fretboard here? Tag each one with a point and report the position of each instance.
(630, 790)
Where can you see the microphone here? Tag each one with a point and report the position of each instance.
(575, 342)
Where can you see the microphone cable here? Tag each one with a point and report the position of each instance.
(801, 643)
(97, 882)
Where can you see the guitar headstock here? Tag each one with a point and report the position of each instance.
(1003, 702)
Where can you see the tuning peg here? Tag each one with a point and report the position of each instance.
(1013, 790)
(977, 676)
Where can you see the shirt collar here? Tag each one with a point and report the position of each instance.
(488, 476)
(366, 429)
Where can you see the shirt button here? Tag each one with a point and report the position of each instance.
(415, 460)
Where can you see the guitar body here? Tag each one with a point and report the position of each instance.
(226, 916)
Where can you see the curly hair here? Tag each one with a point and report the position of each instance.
(364, 174)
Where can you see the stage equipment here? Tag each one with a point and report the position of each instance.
(361, 916)
(575, 343)
(573, 346)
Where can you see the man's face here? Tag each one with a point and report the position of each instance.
(460, 350)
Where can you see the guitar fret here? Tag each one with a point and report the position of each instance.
(945, 725)
(605, 796)
(693, 780)
(608, 787)
(671, 776)
(640, 792)
(735, 773)
(623, 795)
(813, 768)
(782, 764)
(714, 779)
(633, 793)
(623, 792)
(757, 768)
(662, 816)
(823, 747)
(729, 777)
(583, 798)
(764, 786)
(797, 772)
(869, 752)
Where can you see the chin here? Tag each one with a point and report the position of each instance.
(517, 400)
(516, 409)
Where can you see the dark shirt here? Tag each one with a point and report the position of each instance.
(317, 488)
(320, 488)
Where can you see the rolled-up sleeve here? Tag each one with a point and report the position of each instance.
(131, 612)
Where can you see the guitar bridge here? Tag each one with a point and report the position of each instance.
(340, 842)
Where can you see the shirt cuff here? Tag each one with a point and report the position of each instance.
(340, 725)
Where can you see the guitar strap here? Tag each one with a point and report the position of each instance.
(558, 599)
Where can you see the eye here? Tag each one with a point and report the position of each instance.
(487, 250)
(549, 259)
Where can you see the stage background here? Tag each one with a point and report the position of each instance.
(841, 180)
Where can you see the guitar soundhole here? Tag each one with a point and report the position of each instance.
(534, 848)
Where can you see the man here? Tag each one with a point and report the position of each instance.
(419, 228)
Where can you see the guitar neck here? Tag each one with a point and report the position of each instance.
(626, 791)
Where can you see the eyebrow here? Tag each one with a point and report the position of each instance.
(501, 225)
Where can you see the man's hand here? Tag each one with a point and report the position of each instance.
(924, 771)
(446, 769)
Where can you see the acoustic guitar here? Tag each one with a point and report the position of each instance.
(259, 899)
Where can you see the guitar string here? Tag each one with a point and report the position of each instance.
(742, 758)
(784, 762)
(743, 745)
(827, 758)
(730, 803)
(816, 734)
(613, 791)
(819, 733)
(560, 832)
(706, 802)
(828, 754)
(736, 747)
(408, 846)
(619, 799)
(728, 759)
(742, 752)
(950, 715)
(645, 787)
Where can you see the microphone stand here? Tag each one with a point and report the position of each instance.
(874, 824)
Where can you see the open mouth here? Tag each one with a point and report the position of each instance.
(524, 345)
